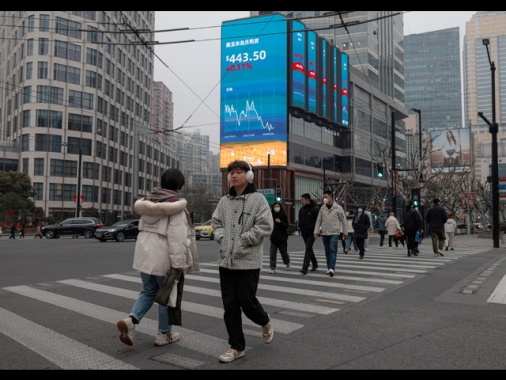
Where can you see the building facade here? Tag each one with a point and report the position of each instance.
(489, 25)
(77, 104)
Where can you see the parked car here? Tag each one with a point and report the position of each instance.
(76, 227)
(119, 231)
(205, 230)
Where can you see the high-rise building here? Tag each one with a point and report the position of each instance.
(162, 112)
(76, 100)
(372, 39)
(489, 25)
(433, 77)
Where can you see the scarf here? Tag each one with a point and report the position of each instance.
(164, 195)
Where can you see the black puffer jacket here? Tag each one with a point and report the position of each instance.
(307, 218)
(280, 231)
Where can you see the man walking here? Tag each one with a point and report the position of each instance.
(436, 219)
(412, 223)
(331, 222)
(308, 214)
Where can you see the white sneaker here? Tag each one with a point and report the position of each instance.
(328, 271)
(288, 266)
(165, 338)
(231, 355)
(331, 272)
(273, 271)
(127, 328)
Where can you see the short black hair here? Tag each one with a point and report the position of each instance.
(306, 195)
(172, 179)
(328, 192)
(239, 164)
(436, 201)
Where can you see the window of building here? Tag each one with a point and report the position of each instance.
(29, 69)
(49, 119)
(38, 166)
(44, 23)
(43, 46)
(42, 70)
(38, 188)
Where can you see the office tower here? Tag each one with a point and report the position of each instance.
(489, 25)
(76, 98)
(433, 77)
(372, 39)
(162, 112)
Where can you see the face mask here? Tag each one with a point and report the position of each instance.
(276, 209)
(360, 211)
(325, 200)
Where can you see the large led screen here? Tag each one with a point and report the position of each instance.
(451, 150)
(312, 72)
(344, 90)
(254, 106)
(298, 54)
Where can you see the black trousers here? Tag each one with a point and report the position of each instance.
(309, 256)
(238, 294)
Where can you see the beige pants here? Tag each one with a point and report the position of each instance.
(449, 239)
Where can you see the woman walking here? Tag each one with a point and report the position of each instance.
(361, 226)
(279, 237)
(392, 225)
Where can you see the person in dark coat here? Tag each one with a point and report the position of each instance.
(436, 218)
(13, 231)
(361, 226)
(279, 237)
(412, 223)
(308, 214)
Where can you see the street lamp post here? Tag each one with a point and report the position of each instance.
(78, 206)
(419, 112)
(493, 129)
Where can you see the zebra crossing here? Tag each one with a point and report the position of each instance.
(293, 300)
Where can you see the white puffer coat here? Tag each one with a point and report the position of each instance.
(165, 238)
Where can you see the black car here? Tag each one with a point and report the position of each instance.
(76, 227)
(119, 231)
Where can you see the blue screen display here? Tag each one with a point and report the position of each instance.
(312, 72)
(344, 89)
(254, 106)
(298, 54)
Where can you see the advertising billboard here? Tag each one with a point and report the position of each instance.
(345, 77)
(298, 63)
(254, 91)
(451, 150)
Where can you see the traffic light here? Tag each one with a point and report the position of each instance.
(415, 197)
(278, 194)
(379, 170)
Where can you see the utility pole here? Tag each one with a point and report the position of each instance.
(78, 207)
(493, 129)
(394, 169)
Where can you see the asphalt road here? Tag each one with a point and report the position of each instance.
(60, 300)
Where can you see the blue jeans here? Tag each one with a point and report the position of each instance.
(330, 245)
(350, 239)
(146, 299)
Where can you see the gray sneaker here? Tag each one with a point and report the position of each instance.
(268, 332)
(231, 355)
(163, 339)
(127, 328)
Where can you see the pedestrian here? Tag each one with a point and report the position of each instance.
(331, 223)
(13, 231)
(1, 231)
(361, 227)
(241, 221)
(166, 240)
(436, 218)
(379, 225)
(412, 224)
(371, 227)
(450, 228)
(22, 231)
(350, 237)
(279, 237)
(393, 227)
(308, 214)
(38, 231)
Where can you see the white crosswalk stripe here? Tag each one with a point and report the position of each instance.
(293, 300)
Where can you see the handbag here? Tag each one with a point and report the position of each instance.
(417, 237)
(167, 294)
(399, 234)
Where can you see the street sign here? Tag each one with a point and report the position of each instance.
(268, 194)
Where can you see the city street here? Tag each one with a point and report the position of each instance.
(60, 301)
